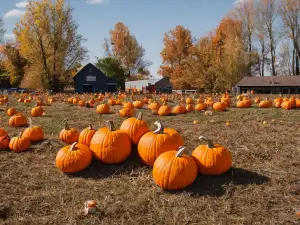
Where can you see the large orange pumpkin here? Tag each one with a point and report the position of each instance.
(34, 133)
(86, 135)
(103, 109)
(173, 170)
(154, 143)
(110, 146)
(73, 158)
(17, 120)
(212, 159)
(68, 135)
(19, 144)
(135, 128)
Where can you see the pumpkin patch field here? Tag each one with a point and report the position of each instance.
(240, 163)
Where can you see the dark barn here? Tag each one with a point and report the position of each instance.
(91, 79)
(269, 85)
(4, 82)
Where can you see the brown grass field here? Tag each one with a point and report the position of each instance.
(263, 187)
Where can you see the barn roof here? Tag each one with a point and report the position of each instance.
(258, 81)
(140, 83)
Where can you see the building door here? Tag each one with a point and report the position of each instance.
(87, 88)
(111, 88)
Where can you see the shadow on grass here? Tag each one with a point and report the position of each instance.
(214, 185)
(99, 170)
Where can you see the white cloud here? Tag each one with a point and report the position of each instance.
(9, 37)
(91, 2)
(22, 4)
(14, 13)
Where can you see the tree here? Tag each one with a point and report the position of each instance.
(175, 54)
(290, 13)
(48, 40)
(267, 14)
(112, 67)
(124, 46)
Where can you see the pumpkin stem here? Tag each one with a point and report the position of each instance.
(90, 126)
(110, 125)
(66, 124)
(180, 151)
(73, 146)
(140, 116)
(210, 143)
(160, 127)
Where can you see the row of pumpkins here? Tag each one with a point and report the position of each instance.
(162, 149)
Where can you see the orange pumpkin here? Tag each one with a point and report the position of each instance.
(34, 133)
(164, 110)
(68, 135)
(3, 132)
(128, 105)
(219, 106)
(189, 107)
(4, 142)
(19, 144)
(37, 111)
(86, 135)
(173, 170)
(73, 158)
(110, 146)
(179, 109)
(18, 120)
(10, 111)
(103, 109)
(201, 107)
(287, 105)
(154, 143)
(138, 104)
(126, 112)
(189, 100)
(212, 159)
(135, 128)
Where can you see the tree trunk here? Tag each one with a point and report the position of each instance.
(297, 66)
(263, 59)
(293, 62)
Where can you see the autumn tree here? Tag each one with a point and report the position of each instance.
(49, 41)
(13, 63)
(124, 46)
(290, 14)
(175, 54)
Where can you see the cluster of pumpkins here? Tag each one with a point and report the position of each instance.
(162, 149)
(23, 141)
(285, 103)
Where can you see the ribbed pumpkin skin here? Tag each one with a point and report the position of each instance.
(212, 161)
(73, 161)
(17, 120)
(11, 111)
(126, 112)
(19, 144)
(34, 133)
(135, 129)
(103, 109)
(164, 110)
(174, 173)
(151, 145)
(110, 147)
(4, 142)
(69, 136)
(154, 106)
(37, 111)
(85, 136)
(201, 106)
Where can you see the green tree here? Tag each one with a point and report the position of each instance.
(112, 67)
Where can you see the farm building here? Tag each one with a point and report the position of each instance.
(269, 85)
(90, 79)
(149, 86)
(4, 82)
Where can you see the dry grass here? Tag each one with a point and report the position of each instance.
(262, 188)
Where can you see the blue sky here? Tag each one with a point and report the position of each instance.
(148, 20)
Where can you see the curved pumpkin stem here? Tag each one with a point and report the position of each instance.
(160, 127)
(90, 126)
(210, 143)
(73, 146)
(180, 151)
(110, 125)
(140, 116)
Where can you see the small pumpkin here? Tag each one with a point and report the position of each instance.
(86, 136)
(73, 158)
(189, 107)
(201, 106)
(17, 120)
(3, 132)
(138, 104)
(128, 105)
(179, 109)
(103, 109)
(34, 133)
(110, 146)
(37, 111)
(10, 111)
(19, 144)
(154, 143)
(135, 128)
(4, 142)
(126, 112)
(68, 135)
(173, 170)
(164, 110)
(154, 106)
(219, 106)
(189, 100)
(212, 159)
